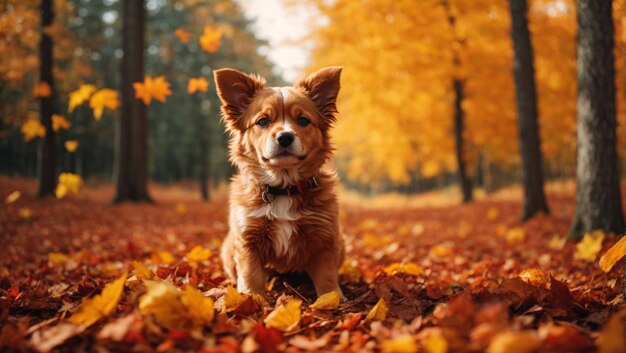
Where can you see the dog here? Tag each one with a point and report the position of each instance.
(283, 210)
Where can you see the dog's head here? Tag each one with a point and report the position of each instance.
(280, 134)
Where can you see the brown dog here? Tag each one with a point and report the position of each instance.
(283, 208)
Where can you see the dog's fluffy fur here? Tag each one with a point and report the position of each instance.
(298, 233)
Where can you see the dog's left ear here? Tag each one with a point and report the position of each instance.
(322, 87)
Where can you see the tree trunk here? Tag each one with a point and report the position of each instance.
(527, 120)
(47, 173)
(459, 128)
(132, 143)
(598, 204)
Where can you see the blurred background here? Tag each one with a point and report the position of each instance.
(412, 69)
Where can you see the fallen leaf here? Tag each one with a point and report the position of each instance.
(612, 338)
(587, 249)
(515, 235)
(104, 98)
(25, 213)
(378, 312)
(613, 255)
(198, 253)
(285, 317)
(399, 344)
(435, 342)
(46, 340)
(93, 309)
(32, 128)
(535, 276)
(12, 197)
(199, 307)
(328, 301)
(557, 242)
(233, 299)
(514, 342)
(211, 39)
(141, 271)
(152, 88)
(440, 250)
(56, 258)
(410, 268)
(493, 214)
(80, 96)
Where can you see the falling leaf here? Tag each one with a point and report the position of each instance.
(514, 342)
(535, 276)
(612, 338)
(211, 39)
(198, 253)
(587, 249)
(157, 88)
(399, 344)
(557, 242)
(182, 35)
(378, 312)
(410, 268)
(327, 301)
(32, 128)
(59, 122)
(104, 98)
(515, 235)
(199, 84)
(93, 309)
(141, 271)
(12, 197)
(68, 182)
(285, 317)
(613, 255)
(80, 96)
(71, 145)
(42, 89)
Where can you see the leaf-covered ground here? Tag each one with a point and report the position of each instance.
(452, 279)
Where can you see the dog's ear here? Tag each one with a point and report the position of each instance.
(236, 90)
(322, 87)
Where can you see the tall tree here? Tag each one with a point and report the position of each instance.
(527, 117)
(131, 167)
(598, 204)
(458, 85)
(46, 103)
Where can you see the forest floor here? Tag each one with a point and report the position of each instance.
(452, 278)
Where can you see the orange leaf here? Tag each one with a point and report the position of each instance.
(104, 98)
(32, 128)
(285, 317)
(614, 254)
(182, 35)
(59, 122)
(71, 145)
(150, 88)
(378, 312)
(80, 96)
(93, 309)
(199, 84)
(211, 39)
(42, 89)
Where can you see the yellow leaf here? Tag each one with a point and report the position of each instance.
(514, 342)
(535, 276)
(285, 317)
(613, 255)
(410, 268)
(93, 309)
(163, 257)
(42, 89)
(327, 301)
(493, 214)
(71, 145)
(199, 308)
(141, 271)
(57, 258)
(80, 96)
(181, 208)
(440, 250)
(68, 182)
(163, 301)
(435, 343)
(378, 312)
(612, 338)
(587, 249)
(233, 299)
(557, 242)
(104, 98)
(150, 88)
(59, 122)
(198, 253)
(25, 213)
(32, 128)
(211, 39)
(199, 84)
(12, 197)
(182, 35)
(515, 235)
(399, 344)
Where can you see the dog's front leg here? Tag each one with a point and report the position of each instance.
(323, 271)
(251, 275)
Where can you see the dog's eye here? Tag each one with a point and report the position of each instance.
(302, 121)
(263, 122)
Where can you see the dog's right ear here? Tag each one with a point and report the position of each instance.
(236, 90)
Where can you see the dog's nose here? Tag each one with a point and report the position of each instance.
(284, 138)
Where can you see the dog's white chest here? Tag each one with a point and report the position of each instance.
(284, 219)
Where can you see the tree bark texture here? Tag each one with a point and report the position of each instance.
(47, 166)
(598, 204)
(527, 116)
(132, 143)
